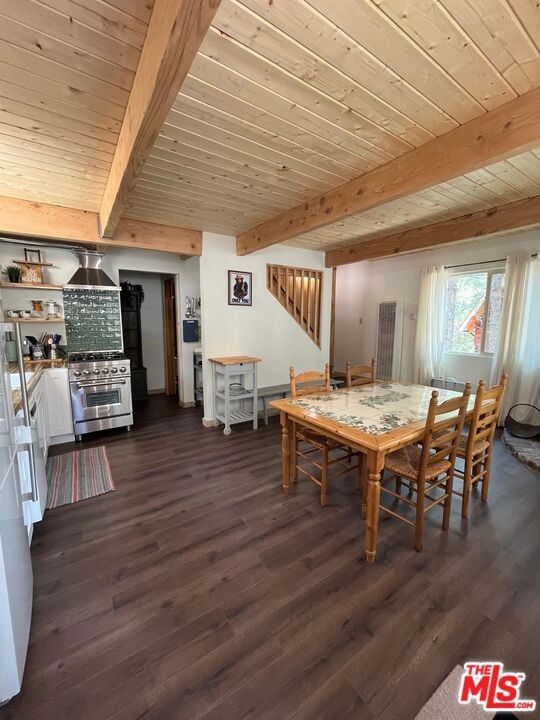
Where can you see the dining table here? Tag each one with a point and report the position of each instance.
(375, 419)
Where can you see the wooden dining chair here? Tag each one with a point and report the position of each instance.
(428, 467)
(475, 447)
(308, 444)
(360, 374)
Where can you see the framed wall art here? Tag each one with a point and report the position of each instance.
(239, 288)
(32, 256)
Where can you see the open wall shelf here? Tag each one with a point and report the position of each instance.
(33, 320)
(29, 286)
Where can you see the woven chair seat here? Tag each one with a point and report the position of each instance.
(406, 462)
(478, 447)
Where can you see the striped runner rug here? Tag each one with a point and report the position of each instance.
(77, 476)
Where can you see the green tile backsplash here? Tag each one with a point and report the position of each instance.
(92, 320)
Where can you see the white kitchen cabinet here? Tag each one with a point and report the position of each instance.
(58, 402)
(35, 439)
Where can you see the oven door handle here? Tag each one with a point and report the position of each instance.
(103, 383)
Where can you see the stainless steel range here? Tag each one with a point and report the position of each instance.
(100, 385)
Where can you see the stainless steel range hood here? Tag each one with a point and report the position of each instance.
(89, 275)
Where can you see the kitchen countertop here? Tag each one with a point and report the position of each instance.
(36, 367)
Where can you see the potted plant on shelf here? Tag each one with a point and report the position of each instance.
(14, 273)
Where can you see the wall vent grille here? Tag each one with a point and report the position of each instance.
(386, 332)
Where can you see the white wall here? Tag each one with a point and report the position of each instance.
(351, 339)
(361, 286)
(264, 330)
(152, 325)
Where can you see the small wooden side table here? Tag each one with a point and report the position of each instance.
(235, 390)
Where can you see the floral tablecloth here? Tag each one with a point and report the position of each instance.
(375, 408)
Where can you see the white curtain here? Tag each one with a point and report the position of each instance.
(517, 352)
(429, 342)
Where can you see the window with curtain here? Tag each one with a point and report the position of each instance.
(474, 302)
(518, 347)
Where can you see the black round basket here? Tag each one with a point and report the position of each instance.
(521, 429)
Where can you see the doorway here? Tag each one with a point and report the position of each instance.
(150, 332)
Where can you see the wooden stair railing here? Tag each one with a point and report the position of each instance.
(299, 291)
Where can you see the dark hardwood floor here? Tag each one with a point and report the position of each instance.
(197, 591)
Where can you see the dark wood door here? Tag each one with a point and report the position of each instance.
(171, 364)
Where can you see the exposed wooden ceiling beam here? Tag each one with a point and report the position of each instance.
(512, 128)
(523, 213)
(175, 32)
(20, 217)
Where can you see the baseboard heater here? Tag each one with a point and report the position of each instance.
(448, 384)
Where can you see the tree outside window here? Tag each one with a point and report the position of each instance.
(473, 311)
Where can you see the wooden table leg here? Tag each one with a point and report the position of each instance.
(285, 452)
(375, 464)
(364, 486)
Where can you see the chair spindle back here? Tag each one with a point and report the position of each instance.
(311, 376)
(486, 411)
(441, 437)
(360, 374)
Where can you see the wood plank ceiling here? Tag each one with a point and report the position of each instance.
(66, 70)
(504, 182)
(285, 100)
(289, 98)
